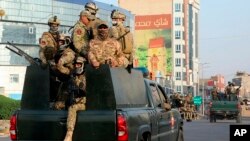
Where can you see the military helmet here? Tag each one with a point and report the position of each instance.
(91, 7)
(53, 20)
(116, 14)
(87, 14)
(123, 16)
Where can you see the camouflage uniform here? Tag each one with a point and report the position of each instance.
(78, 105)
(49, 43)
(65, 66)
(80, 35)
(105, 50)
(92, 8)
(79, 100)
(80, 39)
(93, 27)
(65, 62)
(214, 94)
(188, 111)
(118, 30)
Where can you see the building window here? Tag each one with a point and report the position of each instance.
(178, 76)
(61, 10)
(14, 78)
(31, 30)
(177, 62)
(177, 7)
(177, 34)
(178, 88)
(178, 48)
(177, 21)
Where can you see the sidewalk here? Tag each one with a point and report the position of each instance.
(4, 128)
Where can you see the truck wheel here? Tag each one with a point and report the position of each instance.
(239, 118)
(180, 135)
(146, 137)
(211, 118)
(214, 118)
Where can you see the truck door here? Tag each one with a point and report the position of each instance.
(171, 117)
(161, 114)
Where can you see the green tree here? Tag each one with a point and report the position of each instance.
(7, 107)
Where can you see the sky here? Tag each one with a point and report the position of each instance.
(224, 37)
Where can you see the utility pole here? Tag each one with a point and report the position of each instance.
(203, 87)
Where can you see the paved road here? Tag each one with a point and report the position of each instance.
(203, 130)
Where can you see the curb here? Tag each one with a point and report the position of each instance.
(2, 135)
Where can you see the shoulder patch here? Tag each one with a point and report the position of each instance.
(78, 31)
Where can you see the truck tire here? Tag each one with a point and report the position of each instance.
(211, 118)
(180, 135)
(238, 118)
(146, 137)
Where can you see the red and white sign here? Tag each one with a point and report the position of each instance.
(162, 21)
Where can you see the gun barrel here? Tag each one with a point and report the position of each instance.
(13, 50)
(20, 52)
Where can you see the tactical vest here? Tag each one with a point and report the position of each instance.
(126, 39)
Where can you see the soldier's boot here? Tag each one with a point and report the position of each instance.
(68, 136)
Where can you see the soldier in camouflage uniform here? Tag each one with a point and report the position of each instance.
(79, 98)
(80, 39)
(92, 8)
(49, 42)
(65, 63)
(122, 34)
(80, 35)
(214, 93)
(105, 50)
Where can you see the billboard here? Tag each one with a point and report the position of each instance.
(153, 34)
(153, 43)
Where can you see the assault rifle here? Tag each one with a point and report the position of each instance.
(74, 91)
(21, 53)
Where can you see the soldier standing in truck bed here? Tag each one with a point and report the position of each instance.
(122, 33)
(92, 8)
(49, 42)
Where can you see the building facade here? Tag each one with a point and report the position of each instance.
(243, 79)
(23, 23)
(166, 37)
